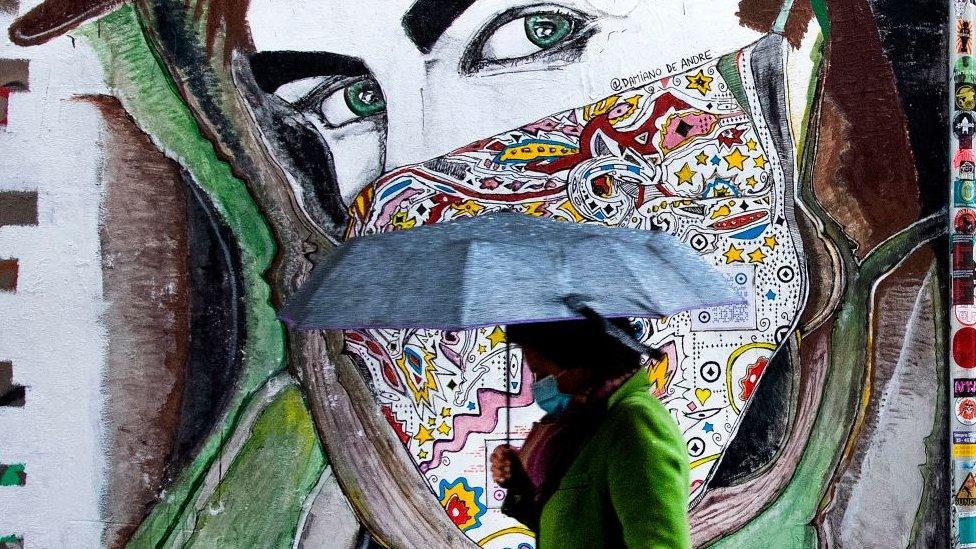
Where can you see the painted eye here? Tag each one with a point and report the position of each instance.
(704, 413)
(547, 30)
(527, 35)
(359, 99)
(337, 100)
(520, 37)
(364, 98)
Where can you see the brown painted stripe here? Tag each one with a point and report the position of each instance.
(53, 18)
(9, 6)
(14, 77)
(10, 394)
(15, 74)
(18, 208)
(8, 275)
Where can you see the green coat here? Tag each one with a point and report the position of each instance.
(629, 485)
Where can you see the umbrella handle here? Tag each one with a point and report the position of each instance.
(508, 392)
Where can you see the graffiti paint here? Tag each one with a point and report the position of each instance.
(226, 143)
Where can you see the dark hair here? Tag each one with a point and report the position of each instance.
(579, 344)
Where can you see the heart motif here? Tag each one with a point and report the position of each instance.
(703, 394)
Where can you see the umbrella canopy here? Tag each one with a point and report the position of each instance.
(503, 268)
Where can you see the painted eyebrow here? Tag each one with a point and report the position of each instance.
(427, 20)
(273, 69)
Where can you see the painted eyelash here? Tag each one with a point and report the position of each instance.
(320, 92)
(472, 60)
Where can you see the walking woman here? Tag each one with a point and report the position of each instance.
(606, 465)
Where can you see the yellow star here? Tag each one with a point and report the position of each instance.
(469, 207)
(751, 145)
(685, 174)
(770, 242)
(700, 82)
(482, 349)
(430, 421)
(444, 429)
(751, 181)
(733, 255)
(422, 454)
(701, 158)
(760, 161)
(445, 412)
(756, 256)
(735, 159)
(423, 435)
(496, 337)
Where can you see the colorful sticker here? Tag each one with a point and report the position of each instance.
(965, 409)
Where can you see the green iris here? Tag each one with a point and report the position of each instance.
(365, 98)
(547, 29)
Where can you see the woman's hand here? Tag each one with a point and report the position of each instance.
(504, 460)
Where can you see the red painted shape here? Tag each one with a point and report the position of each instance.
(397, 426)
(964, 347)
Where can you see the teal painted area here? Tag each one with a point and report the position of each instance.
(12, 474)
(967, 529)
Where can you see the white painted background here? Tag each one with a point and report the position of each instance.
(51, 329)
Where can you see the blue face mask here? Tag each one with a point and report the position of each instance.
(547, 395)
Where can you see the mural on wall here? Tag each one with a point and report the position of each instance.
(798, 146)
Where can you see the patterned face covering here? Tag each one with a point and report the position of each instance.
(705, 155)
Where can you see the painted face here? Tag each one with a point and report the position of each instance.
(659, 116)
(393, 82)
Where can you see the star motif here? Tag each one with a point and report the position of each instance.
(701, 158)
(496, 337)
(733, 255)
(756, 256)
(716, 160)
(430, 421)
(482, 349)
(708, 427)
(751, 145)
(760, 161)
(444, 429)
(445, 412)
(770, 295)
(685, 174)
(471, 406)
(700, 82)
(469, 207)
(770, 242)
(751, 181)
(735, 159)
(422, 454)
(423, 435)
